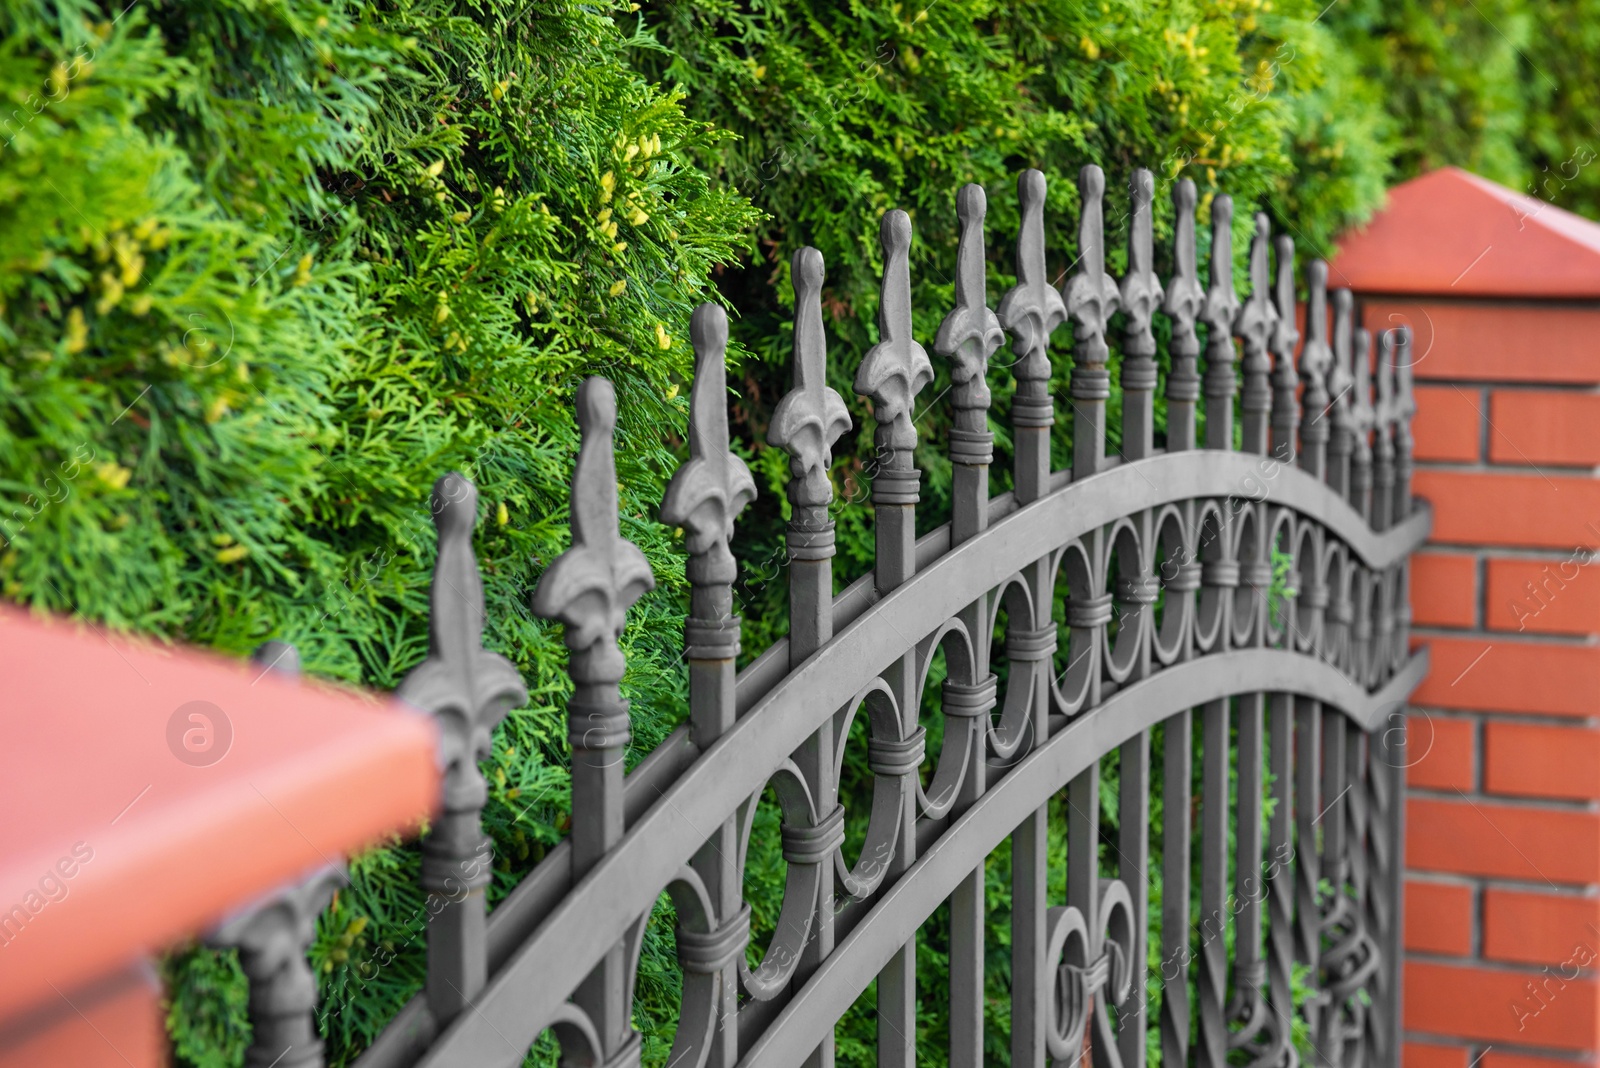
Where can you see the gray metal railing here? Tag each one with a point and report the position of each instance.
(1298, 689)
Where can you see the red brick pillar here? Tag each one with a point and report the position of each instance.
(1502, 918)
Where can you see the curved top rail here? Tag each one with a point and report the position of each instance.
(1159, 480)
(597, 913)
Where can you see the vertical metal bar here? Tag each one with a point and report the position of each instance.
(1217, 384)
(1394, 740)
(598, 725)
(1183, 302)
(807, 422)
(1247, 1009)
(1280, 887)
(1030, 312)
(1307, 853)
(892, 373)
(1133, 868)
(1335, 864)
(1212, 988)
(1358, 811)
(1029, 877)
(1091, 297)
(704, 497)
(1031, 651)
(968, 335)
(1140, 294)
(1394, 889)
(1177, 791)
(1083, 844)
(1405, 408)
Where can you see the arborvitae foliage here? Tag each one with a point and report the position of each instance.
(268, 271)
(1504, 88)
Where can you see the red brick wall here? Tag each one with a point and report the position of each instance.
(1502, 917)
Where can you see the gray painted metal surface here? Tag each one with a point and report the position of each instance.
(1175, 615)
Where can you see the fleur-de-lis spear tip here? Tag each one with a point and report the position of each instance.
(591, 586)
(1091, 296)
(467, 686)
(1141, 290)
(811, 416)
(1362, 414)
(896, 368)
(1256, 318)
(971, 332)
(1184, 296)
(1032, 308)
(1222, 303)
(1284, 333)
(708, 493)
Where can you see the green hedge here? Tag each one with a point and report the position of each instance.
(268, 269)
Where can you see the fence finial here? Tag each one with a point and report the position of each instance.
(811, 416)
(709, 491)
(1404, 445)
(1140, 296)
(896, 368)
(273, 937)
(1030, 311)
(1340, 377)
(591, 586)
(1285, 383)
(1091, 297)
(468, 690)
(1362, 419)
(1184, 299)
(1222, 305)
(465, 686)
(1255, 325)
(967, 337)
(1315, 359)
(1387, 415)
(971, 333)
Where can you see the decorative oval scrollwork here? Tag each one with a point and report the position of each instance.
(1279, 617)
(1088, 608)
(808, 842)
(962, 696)
(1178, 565)
(1027, 651)
(1135, 594)
(1094, 971)
(893, 757)
(1217, 574)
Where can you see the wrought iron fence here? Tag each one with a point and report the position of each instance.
(1160, 565)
